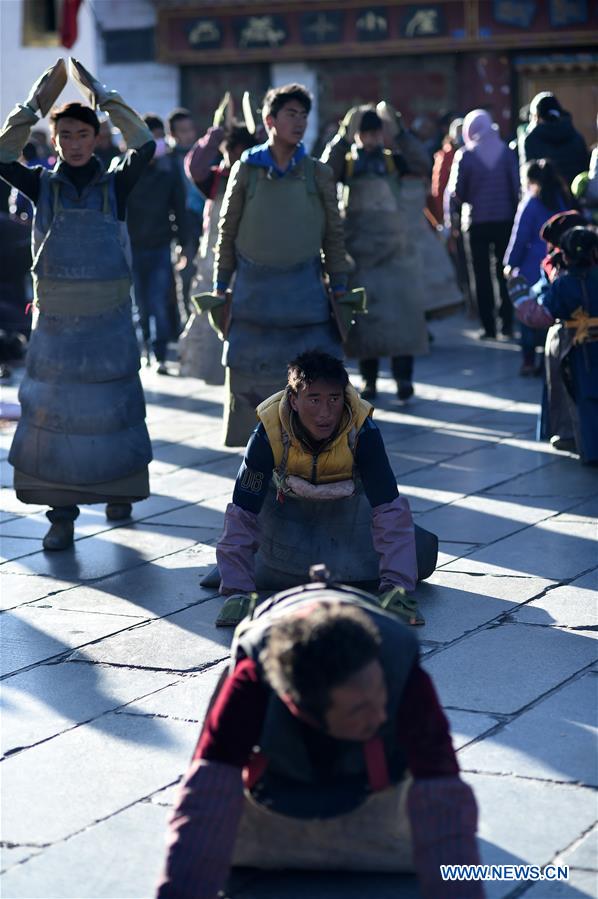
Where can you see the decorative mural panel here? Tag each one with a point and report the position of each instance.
(214, 34)
(518, 13)
(568, 12)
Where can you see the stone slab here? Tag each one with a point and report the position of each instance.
(49, 699)
(506, 460)
(588, 510)
(17, 589)
(558, 551)
(87, 774)
(580, 884)
(502, 669)
(504, 423)
(527, 822)
(29, 635)
(117, 549)
(453, 477)
(16, 548)
(191, 516)
(445, 440)
(563, 477)
(119, 857)
(166, 797)
(573, 605)
(91, 520)
(454, 604)
(583, 854)
(449, 551)
(483, 519)
(186, 700)
(467, 726)
(555, 740)
(157, 588)
(184, 641)
(14, 856)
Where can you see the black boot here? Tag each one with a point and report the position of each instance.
(60, 536)
(118, 511)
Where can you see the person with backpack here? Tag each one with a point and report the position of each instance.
(315, 485)
(279, 217)
(572, 300)
(385, 249)
(324, 747)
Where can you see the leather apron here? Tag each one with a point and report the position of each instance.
(82, 436)
(378, 237)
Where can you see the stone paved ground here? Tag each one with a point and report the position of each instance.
(109, 651)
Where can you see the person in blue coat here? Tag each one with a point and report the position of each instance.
(572, 299)
(546, 194)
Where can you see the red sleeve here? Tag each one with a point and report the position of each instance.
(234, 723)
(423, 729)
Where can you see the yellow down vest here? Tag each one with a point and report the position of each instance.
(335, 461)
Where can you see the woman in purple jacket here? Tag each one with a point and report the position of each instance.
(546, 195)
(481, 199)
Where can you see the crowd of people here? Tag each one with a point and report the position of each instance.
(277, 249)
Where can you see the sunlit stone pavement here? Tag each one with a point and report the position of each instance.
(109, 651)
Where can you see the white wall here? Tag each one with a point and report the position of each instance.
(300, 73)
(20, 66)
(146, 86)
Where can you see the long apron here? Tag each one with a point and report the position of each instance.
(200, 349)
(276, 315)
(82, 436)
(298, 533)
(379, 237)
(441, 292)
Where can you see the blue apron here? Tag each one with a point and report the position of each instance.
(83, 409)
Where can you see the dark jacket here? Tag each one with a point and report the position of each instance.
(157, 198)
(491, 194)
(559, 142)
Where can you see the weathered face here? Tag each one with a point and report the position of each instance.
(370, 140)
(357, 708)
(75, 141)
(289, 125)
(319, 407)
(184, 132)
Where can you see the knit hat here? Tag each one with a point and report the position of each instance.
(370, 121)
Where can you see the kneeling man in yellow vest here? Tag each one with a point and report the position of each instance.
(315, 485)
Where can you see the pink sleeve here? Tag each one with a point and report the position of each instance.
(236, 550)
(444, 815)
(200, 157)
(202, 832)
(393, 536)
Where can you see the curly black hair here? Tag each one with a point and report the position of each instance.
(306, 656)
